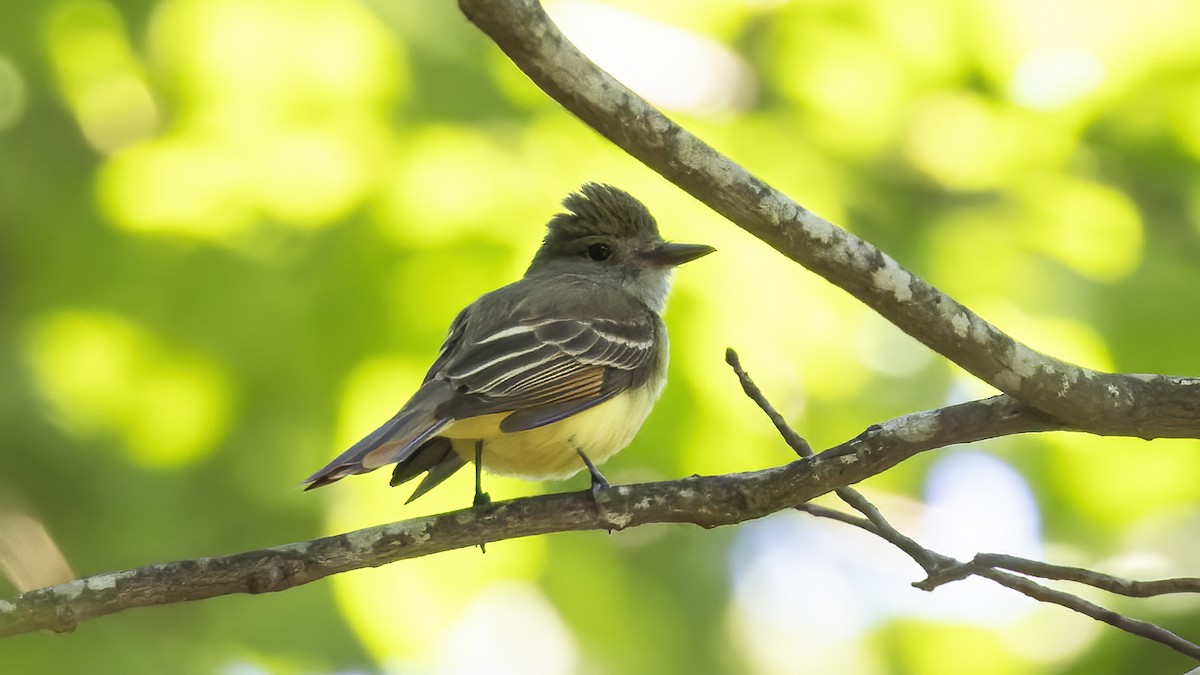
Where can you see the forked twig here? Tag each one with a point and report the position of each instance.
(941, 569)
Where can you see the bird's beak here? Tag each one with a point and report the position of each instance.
(670, 254)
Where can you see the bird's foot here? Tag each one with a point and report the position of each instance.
(599, 482)
(481, 499)
(601, 494)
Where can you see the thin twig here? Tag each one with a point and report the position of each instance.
(793, 439)
(927, 559)
(951, 570)
(941, 569)
(821, 511)
(1106, 582)
(1137, 627)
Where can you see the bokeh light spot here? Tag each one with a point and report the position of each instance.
(179, 187)
(12, 93)
(99, 75)
(1100, 482)
(101, 375)
(670, 66)
(283, 119)
(1091, 228)
(1048, 78)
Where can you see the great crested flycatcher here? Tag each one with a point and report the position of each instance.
(548, 375)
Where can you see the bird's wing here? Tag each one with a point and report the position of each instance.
(548, 360)
(450, 345)
(519, 352)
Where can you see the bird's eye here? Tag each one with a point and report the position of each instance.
(599, 252)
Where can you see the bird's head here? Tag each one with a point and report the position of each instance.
(611, 237)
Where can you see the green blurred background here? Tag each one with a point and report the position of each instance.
(233, 233)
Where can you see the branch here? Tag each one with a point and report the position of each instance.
(874, 517)
(1146, 406)
(941, 569)
(1105, 582)
(1133, 626)
(707, 501)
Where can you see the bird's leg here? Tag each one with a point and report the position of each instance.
(599, 482)
(481, 497)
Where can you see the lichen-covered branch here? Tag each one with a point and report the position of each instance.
(1146, 406)
(708, 501)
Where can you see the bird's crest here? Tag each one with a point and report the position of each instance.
(599, 208)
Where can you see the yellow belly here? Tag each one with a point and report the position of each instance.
(549, 452)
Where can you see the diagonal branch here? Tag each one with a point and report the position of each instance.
(793, 439)
(1146, 406)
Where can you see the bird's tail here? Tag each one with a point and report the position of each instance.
(435, 458)
(398, 438)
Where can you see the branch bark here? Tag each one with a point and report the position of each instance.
(1145, 406)
(707, 501)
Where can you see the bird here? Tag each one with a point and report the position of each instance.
(547, 376)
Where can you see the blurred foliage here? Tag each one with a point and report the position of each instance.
(233, 232)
